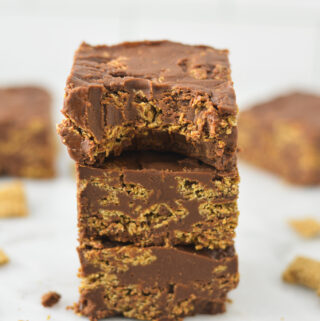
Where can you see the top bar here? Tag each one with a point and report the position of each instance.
(158, 95)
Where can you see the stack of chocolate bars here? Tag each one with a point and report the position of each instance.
(153, 129)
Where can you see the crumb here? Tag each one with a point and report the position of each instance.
(12, 200)
(3, 258)
(304, 271)
(72, 307)
(49, 317)
(307, 227)
(50, 299)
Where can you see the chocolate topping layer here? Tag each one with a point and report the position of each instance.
(155, 66)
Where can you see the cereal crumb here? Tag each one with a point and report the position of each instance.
(307, 227)
(72, 307)
(303, 271)
(12, 200)
(3, 258)
(50, 299)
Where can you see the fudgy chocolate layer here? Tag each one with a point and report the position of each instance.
(27, 146)
(154, 283)
(283, 136)
(147, 304)
(153, 198)
(159, 95)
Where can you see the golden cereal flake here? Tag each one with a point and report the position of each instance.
(13, 200)
(306, 227)
(3, 258)
(303, 271)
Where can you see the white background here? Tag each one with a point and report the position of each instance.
(274, 45)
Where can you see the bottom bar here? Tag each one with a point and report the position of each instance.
(155, 283)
